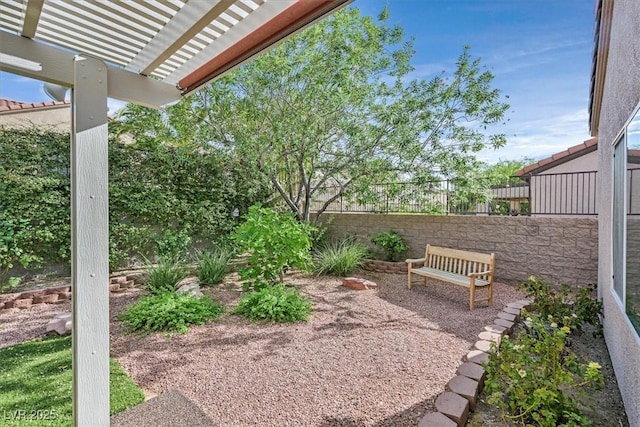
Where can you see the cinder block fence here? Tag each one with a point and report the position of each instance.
(560, 249)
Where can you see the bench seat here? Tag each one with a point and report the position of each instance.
(446, 276)
(463, 268)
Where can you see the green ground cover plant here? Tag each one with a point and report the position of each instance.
(274, 304)
(535, 378)
(36, 378)
(339, 258)
(391, 244)
(170, 312)
(213, 265)
(275, 243)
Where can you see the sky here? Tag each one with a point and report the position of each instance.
(539, 51)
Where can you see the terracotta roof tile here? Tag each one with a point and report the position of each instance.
(10, 105)
(561, 157)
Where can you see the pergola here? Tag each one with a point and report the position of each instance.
(145, 52)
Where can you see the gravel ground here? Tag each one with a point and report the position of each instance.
(365, 358)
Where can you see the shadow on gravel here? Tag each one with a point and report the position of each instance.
(407, 418)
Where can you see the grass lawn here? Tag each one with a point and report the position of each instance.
(35, 384)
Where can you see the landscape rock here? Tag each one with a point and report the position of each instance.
(189, 286)
(358, 284)
(60, 324)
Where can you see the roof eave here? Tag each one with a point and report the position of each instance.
(602, 35)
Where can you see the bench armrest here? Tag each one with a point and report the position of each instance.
(480, 273)
(412, 260)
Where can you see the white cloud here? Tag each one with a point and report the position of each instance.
(540, 137)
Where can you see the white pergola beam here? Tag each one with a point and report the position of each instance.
(90, 243)
(57, 66)
(31, 18)
(242, 29)
(186, 24)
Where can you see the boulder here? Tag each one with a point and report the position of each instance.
(60, 324)
(189, 286)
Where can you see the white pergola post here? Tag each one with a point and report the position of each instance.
(90, 243)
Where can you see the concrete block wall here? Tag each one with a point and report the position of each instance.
(563, 250)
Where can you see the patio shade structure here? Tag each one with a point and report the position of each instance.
(146, 52)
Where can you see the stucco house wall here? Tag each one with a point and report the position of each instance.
(53, 115)
(620, 96)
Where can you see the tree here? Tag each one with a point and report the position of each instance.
(332, 111)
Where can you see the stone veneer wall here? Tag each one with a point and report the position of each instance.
(563, 250)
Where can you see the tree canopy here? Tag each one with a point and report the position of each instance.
(335, 109)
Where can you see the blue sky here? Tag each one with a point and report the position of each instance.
(539, 51)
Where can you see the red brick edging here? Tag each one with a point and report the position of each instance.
(461, 393)
(28, 299)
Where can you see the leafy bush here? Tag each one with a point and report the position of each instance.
(150, 188)
(535, 380)
(275, 242)
(392, 244)
(12, 251)
(172, 244)
(274, 304)
(213, 265)
(164, 276)
(170, 312)
(339, 258)
(573, 309)
(34, 173)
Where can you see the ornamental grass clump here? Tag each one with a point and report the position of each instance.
(165, 276)
(213, 265)
(339, 258)
(274, 304)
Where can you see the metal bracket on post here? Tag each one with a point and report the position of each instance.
(90, 243)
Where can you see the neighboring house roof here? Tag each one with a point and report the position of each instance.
(8, 106)
(570, 153)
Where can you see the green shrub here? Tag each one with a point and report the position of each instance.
(275, 242)
(339, 258)
(571, 308)
(172, 244)
(213, 265)
(391, 244)
(170, 312)
(164, 276)
(535, 380)
(274, 304)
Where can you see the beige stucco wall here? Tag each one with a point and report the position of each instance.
(58, 118)
(586, 163)
(621, 96)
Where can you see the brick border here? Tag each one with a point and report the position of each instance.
(461, 392)
(54, 295)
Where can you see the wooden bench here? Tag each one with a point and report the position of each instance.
(469, 269)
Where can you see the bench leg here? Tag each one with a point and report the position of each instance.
(490, 294)
(472, 296)
(426, 280)
(472, 292)
(409, 278)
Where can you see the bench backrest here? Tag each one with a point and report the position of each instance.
(459, 262)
